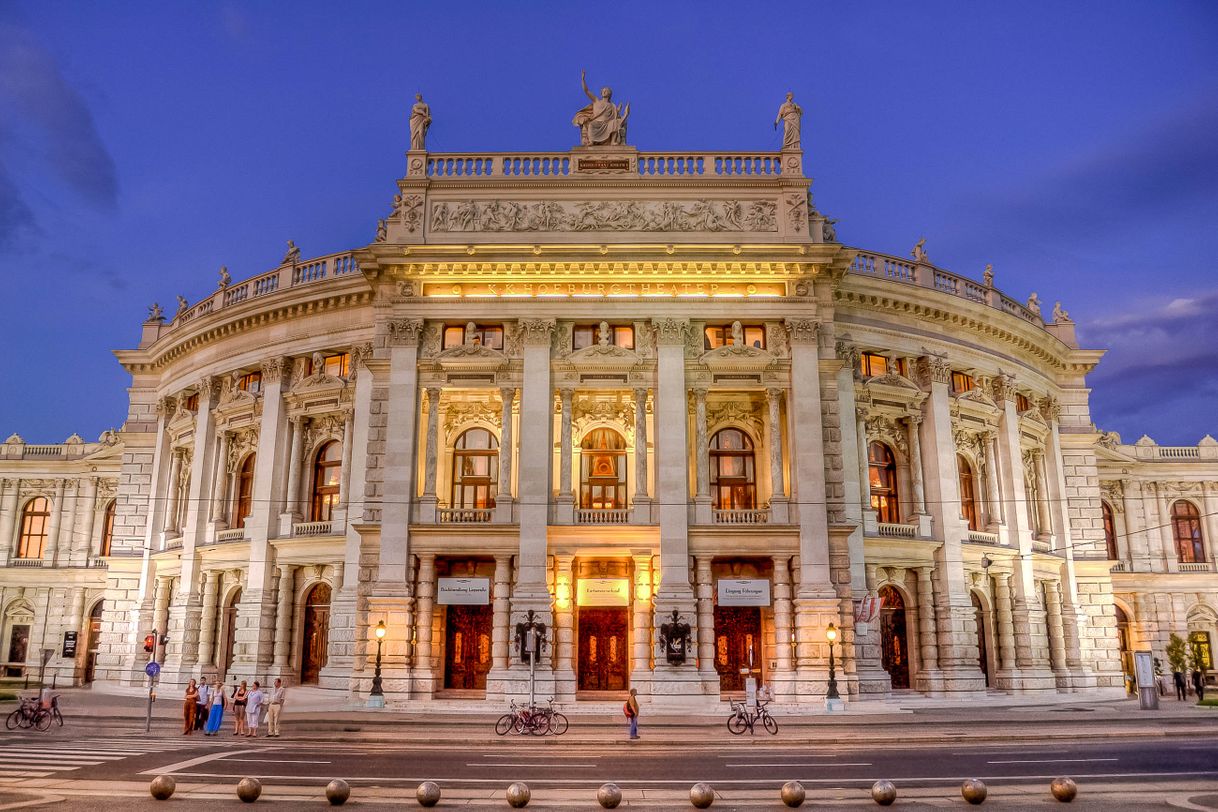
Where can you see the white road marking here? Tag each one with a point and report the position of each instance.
(275, 760)
(804, 764)
(1051, 760)
(191, 762)
(531, 764)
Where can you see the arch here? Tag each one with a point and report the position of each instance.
(327, 472)
(35, 518)
(1110, 535)
(882, 475)
(475, 469)
(894, 636)
(17, 621)
(602, 470)
(968, 493)
(1186, 530)
(107, 531)
(981, 611)
(1125, 643)
(226, 631)
(316, 627)
(243, 495)
(733, 470)
(92, 636)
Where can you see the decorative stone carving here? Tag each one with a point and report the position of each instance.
(561, 346)
(790, 114)
(183, 306)
(987, 276)
(430, 342)
(1060, 316)
(803, 286)
(382, 231)
(1004, 388)
(588, 412)
(1114, 493)
(327, 427)
(292, 257)
(734, 411)
(931, 369)
(670, 331)
(828, 232)
(155, 312)
(848, 354)
(1034, 303)
(797, 211)
(802, 331)
(776, 340)
(602, 122)
(420, 122)
(536, 331)
(225, 277)
(274, 368)
(971, 444)
(458, 416)
(411, 212)
(1110, 440)
(359, 354)
(880, 427)
(241, 443)
(404, 332)
(1050, 409)
(919, 251)
(604, 215)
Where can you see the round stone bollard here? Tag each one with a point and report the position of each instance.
(701, 795)
(248, 789)
(884, 792)
(609, 796)
(793, 794)
(1064, 789)
(518, 795)
(162, 787)
(428, 793)
(337, 792)
(973, 790)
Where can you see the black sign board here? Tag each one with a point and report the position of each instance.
(69, 645)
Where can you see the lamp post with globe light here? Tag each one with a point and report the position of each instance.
(833, 700)
(376, 699)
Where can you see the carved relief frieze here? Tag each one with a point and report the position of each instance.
(240, 443)
(404, 332)
(459, 415)
(1172, 489)
(797, 212)
(429, 345)
(776, 340)
(1114, 493)
(885, 429)
(801, 330)
(735, 411)
(604, 215)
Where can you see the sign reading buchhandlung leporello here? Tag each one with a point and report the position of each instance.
(744, 592)
(463, 591)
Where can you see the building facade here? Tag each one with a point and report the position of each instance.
(647, 397)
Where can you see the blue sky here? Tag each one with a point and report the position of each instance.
(1073, 145)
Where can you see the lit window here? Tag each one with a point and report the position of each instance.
(34, 520)
(327, 467)
(1022, 403)
(250, 382)
(962, 383)
(1110, 541)
(754, 336)
(192, 402)
(586, 335)
(968, 496)
(488, 335)
(243, 499)
(1186, 527)
(602, 484)
(107, 533)
(336, 365)
(475, 469)
(882, 474)
(733, 471)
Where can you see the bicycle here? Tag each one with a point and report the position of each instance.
(535, 720)
(23, 716)
(742, 720)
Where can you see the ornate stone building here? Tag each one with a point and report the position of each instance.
(607, 386)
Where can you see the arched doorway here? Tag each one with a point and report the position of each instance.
(983, 639)
(1122, 621)
(228, 633)
(18, 621)
(316, 633)
(893, 639)
(94, 634)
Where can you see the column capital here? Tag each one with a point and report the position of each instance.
(433, 394)
(1003, 386)
(774, 393)
(404, 332)
(848, 353)
(536, 331)
(801, 330)
(640, 394)
(209, 386)
(507, 394)
(671, 331)
(274, 369)
(931, 369)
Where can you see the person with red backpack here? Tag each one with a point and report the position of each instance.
(631, 709)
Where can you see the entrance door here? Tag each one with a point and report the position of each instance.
(602, 648)
(91, 641)
(895, 644)
(228, 621)
(737, 645)
(467, 647)
(17, 644)
(316, 633)
(983, 653)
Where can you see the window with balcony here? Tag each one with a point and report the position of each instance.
(487, 335)
(882, 474)
(107, 531)
(1186, 528)
(1110, 541)
(475, 471)
(968, 494)
(243, 497)
(327, 468)
(733, 467)
(587, 335)
(602, 480)
(962, 382)
(721, 336)
(250, 382)
(34, 520)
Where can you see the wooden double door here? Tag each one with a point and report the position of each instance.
(603, 645)
(737, 645)
(894, 639)
(467, 646)
(316, 636)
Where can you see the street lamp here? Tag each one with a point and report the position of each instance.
(831, 636)
(376, 699)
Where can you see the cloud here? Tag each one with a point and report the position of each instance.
(35, 93)
(16, 218)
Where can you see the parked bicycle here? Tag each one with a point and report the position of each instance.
(34, 713)
(743, 719)
(533, 719)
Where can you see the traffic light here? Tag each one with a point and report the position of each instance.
(150, 642)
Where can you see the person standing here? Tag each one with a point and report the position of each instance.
(1181, 689)
(202, 705)
(1198, 684)
(189, 708)
(631, 709)
(240, 698)
(279, 695)
(216, 716)
(253, 711)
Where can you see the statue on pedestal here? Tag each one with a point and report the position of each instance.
(789, 114)
(602, 122)
(420, 121)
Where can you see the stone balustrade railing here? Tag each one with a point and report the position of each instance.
(1207, 449)
(228, 536)
(980, 537)
(305, 529)
(612, 516)
(17, 449)
(904, 531)
(464, 515)
(909, 272)
(1203, 566)
(760, 516)
(472, 166)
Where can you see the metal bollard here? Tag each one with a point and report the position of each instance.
(609, 796)
(248, 789)
(518, 795)
(428, 793)
(973, 790)
(701, 795)
(337, 792)
(1064, 789)
(884, 792)
(793, 794)
(162, 787)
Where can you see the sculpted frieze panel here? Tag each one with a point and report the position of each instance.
(885, 429)
(604, 215)
(747, 413)
(458, 416)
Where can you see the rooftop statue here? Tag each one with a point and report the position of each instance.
(156, 312)
(602, 122)
(789, 113)
(919, 251)
(1060, 316)
(225, 277)
(420, 121)
(292, 257)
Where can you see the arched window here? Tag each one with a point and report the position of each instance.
(243, 498)
(602, 481)
(1109, 531)
(107, 532)
(34, 521)
(327, 467)
(1186, 527)
(968, 496)
(475, 469)
(733, 478)
(882, 473)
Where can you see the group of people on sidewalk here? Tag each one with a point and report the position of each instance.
(1198, 685)
(204, 705)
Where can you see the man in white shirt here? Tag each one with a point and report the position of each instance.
(203, 707)
(279, 695)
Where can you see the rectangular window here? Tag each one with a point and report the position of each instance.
(1022, 403)
(488, 335)
(337, 366)
(250, 382)
(586, 335)
(192, 402)
(1200, 643)
(721, 336)
(962, 383)
(872, 364)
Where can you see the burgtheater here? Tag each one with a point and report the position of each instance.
(648, 397)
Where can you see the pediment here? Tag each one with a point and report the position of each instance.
(471, 358)
(235, 400)
(892, 387)
(608, 357)
(738, 358)
(318, 383)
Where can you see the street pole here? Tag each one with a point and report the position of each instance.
(530, 639)
(156, 639)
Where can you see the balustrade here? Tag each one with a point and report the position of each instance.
(760, 516)
(1204, 566)
(464, 515)
(611, 516)
(304, 529)
(979, 537)
(228, 536)
(905, 531)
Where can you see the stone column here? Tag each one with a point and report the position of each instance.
(433, 443)
(778, 488)
(929, 680)
(507, 396)
(219, 499)
(87, 522)
(701, 445)
(207, 623)
(1006, 625)
(534, 489)
(916, 465)
(501, 614)
(1042, 502)
(73, 623)
(672, 467)
(640, 667)
(8, 518)
(283, 617)
(175, 492)
(425, 592)
(1170, 554)
(706, 617)
(566, 498)
(564, 620)
(642, 501)
(1057, 632)
(295, 469)
(160, 612)
(51, 553)
(993, 497)
(344, 486)
(783, 619)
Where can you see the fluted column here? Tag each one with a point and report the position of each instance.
(915, 465)
(501, 610)
(778, 488)
(1042, 500)
(507, 396)
(783, 618)
(172, 524)
(1006, 623)
(207, 623)
(344, 481)
(1057, 632)
(928, 637)
(706, 616)
(701, 444)
(295, 466)
(993, 498)
(433, 439)
(283, 615)
(160, 611)
(640, 443)
(564, 446)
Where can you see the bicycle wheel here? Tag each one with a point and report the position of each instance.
(771, 726)
(737, 724)
(505, 723)
(42, 720)
(558, 724)
(26, 719)
(540, 724)
(13, 720)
